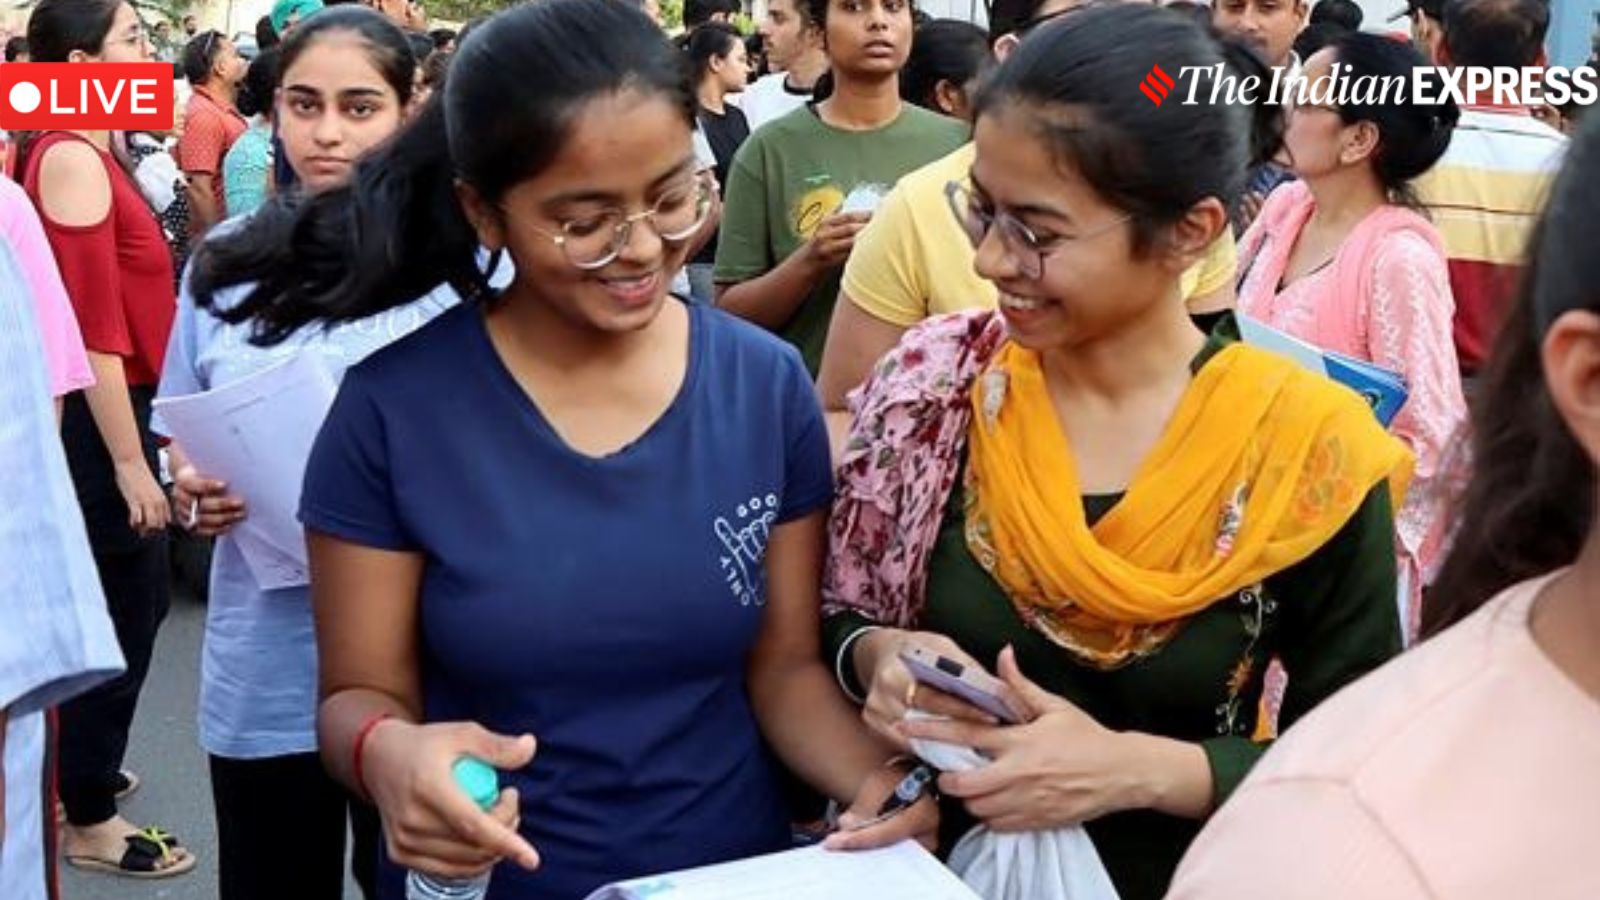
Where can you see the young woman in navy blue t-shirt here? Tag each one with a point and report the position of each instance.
(578, 510)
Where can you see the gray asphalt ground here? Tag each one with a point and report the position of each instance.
(176, 789)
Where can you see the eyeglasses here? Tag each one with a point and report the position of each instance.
(593, 242)
(1025, 247)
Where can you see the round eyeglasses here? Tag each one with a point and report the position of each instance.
(1026, 248)
(593, 242)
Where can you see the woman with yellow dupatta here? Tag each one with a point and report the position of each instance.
(1084, 487)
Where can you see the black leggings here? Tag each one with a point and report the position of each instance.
(134, 574)
(281, 827)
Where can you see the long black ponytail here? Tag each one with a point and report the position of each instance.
(397, 230)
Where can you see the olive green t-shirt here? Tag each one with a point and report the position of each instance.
(796, 171)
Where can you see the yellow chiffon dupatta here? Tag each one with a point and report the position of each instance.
(1261, 464)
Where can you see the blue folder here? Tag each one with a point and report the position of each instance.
(1384, 390)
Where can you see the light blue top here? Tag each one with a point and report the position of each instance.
(246, 169)
(258, 668)
(56, 640)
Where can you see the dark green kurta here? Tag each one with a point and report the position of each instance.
(1330, 619)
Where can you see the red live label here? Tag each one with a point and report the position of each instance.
(117, 96)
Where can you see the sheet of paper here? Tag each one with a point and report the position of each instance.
(256, 435)
(902, 872)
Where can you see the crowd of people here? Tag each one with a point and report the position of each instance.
(688, 384)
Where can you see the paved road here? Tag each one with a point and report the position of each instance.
(176, 791)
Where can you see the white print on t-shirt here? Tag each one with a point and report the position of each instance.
(745, 540)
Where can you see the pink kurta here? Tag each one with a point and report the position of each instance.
(1384, 299)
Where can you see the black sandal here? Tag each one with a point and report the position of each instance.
(147, 850)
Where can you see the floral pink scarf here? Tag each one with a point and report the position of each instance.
(899, 466)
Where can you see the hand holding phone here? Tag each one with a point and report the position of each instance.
(958, 679)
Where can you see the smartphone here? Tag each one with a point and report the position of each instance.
(975, 686)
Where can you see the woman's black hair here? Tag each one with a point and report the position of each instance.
(816, 15)
(421, 46)
(476, 22)
(397, 229)
(436, 71)
(713, 40)
(1011, 16)
(1199, 12)
(1530, 505)
(387, 47)
(1412, 136)
(55, 29)
(200, 54)
(1345, 14)
(267, 37)
(1076, 86)
(946, 50)
(1317, 35)
(260, 84)
(58, 27)
(755, 50)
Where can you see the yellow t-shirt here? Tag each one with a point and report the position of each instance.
(915, 261)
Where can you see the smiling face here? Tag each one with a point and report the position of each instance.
(868, 38)
(1087, 243)
(623, 154)
(333, 106)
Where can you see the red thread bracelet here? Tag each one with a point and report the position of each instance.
(360, 744)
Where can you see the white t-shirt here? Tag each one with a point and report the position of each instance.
(771, 98)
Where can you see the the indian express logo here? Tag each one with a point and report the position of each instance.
(1466, 85)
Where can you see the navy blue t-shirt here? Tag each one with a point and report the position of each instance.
(608, 605)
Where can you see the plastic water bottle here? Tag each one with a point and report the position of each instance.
(479, 781)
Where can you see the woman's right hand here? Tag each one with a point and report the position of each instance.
(429, 823)
(148, 512)
(890, 685)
